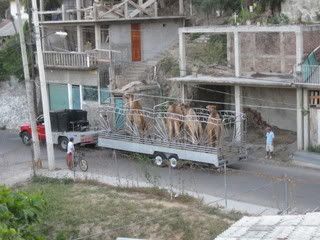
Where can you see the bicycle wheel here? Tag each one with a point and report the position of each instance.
(83, 164)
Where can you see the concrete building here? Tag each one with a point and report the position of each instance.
(106, 49)
(273, 69)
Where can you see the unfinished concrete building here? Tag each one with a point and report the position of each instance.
(271, 69)
(93, 49)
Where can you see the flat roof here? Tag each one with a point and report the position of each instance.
(293, 227)
(249, 28)
(273, 81)
(110, 21)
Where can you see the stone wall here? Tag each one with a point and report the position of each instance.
(304, 10)
(314, 126)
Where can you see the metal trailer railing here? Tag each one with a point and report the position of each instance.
(121, 133)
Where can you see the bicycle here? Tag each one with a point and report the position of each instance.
(79, 160)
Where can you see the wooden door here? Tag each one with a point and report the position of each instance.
(135, 42)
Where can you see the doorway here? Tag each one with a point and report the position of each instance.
(135, 42)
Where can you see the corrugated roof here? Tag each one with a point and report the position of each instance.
(6, 28)
(287, 227)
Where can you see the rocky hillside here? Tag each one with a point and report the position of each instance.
(13, 105)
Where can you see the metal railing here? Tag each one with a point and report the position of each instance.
(308, 74)
(71, 59)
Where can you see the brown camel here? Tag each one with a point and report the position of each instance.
(214, 126)
(135, 114)
(175, 114)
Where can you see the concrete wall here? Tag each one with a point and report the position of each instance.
(89, 78)
(314, 126)
(279, 98)
(304, 10)
(156, 37)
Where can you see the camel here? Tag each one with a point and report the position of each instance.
(175, 114)
(214, 126)
(193, 125)
(135, 114)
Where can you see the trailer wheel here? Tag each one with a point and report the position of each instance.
(173, 161)
(159, 159)
(63, 143)
(26, 138)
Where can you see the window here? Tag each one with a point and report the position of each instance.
(90, 93)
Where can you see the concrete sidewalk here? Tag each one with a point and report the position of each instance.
(232, 205)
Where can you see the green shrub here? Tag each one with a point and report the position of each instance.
(315, 148)
(19, 212)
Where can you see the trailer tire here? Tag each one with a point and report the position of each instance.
(173, 161)
(159, 159)
(63, 143)
(26, 138)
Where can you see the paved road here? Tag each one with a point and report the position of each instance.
(247, 181)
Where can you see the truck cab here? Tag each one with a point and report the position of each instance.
(64, 125)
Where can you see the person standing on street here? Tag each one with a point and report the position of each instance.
(70, 153)
(269, 142)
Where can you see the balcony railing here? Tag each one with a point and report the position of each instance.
(75, 60)
(308, 74)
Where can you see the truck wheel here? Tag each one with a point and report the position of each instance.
(26, 138)
(173, 161)
(63, 143)
(159, 159)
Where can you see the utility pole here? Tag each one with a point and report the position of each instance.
(29, 90)
(43, 85)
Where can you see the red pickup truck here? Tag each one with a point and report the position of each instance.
(59, 137)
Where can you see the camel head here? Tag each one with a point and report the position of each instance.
(211, 108)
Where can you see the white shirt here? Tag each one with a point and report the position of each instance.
(70, 147)
(270, 137)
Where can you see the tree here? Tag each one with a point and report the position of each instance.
(10, 59)
(4, 5)
(19, 213)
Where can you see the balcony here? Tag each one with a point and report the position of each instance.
(76, 60)
(308, 75)
(121, 10)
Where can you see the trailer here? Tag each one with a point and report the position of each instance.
(122, 133)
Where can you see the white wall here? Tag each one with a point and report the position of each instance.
(274, 98)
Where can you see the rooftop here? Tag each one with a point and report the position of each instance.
(253, 80)
(6, 28)
(250, 28)
(293, 227)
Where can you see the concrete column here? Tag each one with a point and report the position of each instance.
(237, 101)
(184, 92)
(299, 120)
(126, 10)
(237, 62)
(70, 100)
(63, 9)
(81, 97)
(181, 7)
(97, 34)
(229, 49)
(41, 10)
(306, 129)
(78, 6)
(299, 49)
(182, 54)
(79, 39)
(155, 5)
(282, 52)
